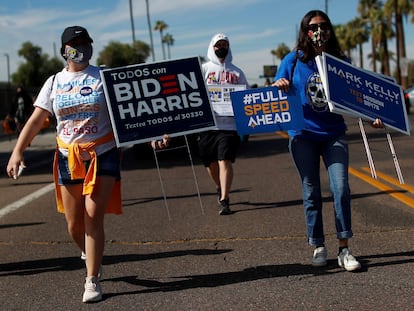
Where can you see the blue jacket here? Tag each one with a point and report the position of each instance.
(320, 123)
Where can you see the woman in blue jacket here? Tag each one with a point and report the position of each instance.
(323, 136)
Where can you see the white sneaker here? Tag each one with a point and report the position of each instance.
(347, 261)
(93, 290)
(320, 255)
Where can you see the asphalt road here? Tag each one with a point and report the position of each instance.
(179, 254)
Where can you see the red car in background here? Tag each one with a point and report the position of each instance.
(409, 98)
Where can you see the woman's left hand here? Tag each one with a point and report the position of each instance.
(377, 123)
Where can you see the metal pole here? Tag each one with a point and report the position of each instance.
(194, 174)
(150, 31)
(367, 150)
(8, 67)
(398, 37)
(132, 21)
(8, 82)
(54, 50)
(394, 157)
(187, 145)
(162, 185)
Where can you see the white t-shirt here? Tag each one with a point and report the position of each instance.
(78, 102)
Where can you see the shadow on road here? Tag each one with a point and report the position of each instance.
(185, 282)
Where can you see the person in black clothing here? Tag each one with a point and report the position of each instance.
(22, 107)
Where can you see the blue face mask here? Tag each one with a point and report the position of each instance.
(80, 54)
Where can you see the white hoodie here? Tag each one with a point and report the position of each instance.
(216, 72)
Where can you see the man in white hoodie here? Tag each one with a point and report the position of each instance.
(218, 147)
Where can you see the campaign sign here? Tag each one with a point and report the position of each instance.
(220, 97)
(268, 109)
(146, 101)
(363, 93)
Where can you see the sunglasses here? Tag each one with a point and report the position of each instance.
(322, 26)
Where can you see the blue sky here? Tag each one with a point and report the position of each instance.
(254, 27)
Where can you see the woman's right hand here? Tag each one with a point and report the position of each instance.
(16, 162)
(161, 144)
(283, 84)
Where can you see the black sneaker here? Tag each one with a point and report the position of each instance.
(218, 194)
(224, 208)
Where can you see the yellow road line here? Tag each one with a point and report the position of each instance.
(377, 184)
(282, 134)
(391, 180)
(383, 187)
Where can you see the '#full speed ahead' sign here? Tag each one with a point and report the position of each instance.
(146, 101)
(266, 110)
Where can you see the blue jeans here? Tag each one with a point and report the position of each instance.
(306, 155)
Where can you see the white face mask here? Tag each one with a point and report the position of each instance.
(80, 54)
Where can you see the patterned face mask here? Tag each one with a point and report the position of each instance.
(318, 37)
(319, 33)
(80, 54)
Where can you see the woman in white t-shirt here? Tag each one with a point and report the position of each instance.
(87, 161)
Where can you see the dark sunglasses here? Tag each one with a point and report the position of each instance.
(322, 26)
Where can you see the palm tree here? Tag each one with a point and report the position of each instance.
(281, 51)
(381, 33)
(400, 9)
(345, 39)
(412, 12)
(131, 15)
(150, 30)
(169, 41)
(273, 52)
(359, 33)
(367, 10)
(161, 26)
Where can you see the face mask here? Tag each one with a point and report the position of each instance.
(221, 52)
(318, 37)
(80, 54)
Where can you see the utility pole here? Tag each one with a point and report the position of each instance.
(132, 21)
(326, 7)
(150, 31)
(54, 49)
(8, 67)
(8, 82)
(398, 36)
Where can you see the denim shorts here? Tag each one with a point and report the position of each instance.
(109, 164)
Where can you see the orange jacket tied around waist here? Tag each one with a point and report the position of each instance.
(78, 171)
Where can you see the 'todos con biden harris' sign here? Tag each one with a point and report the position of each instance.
(146, 101)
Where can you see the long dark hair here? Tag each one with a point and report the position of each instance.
(304, 44)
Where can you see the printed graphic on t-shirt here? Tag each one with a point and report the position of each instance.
(316, 94)
(77, 104)
(223, 77)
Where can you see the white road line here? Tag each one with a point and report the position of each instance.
(23, 201)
